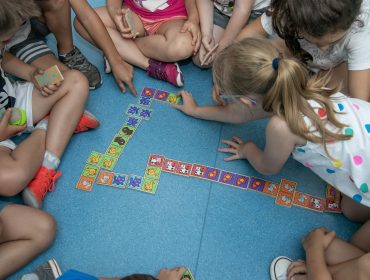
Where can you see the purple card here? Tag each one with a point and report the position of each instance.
(212, 174)
(161, 95)
(149, 92)
(257, 184)
(227, 178)
(241, 181)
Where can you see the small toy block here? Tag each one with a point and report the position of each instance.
(172, 98)
(114, 150)
(105, 178)
(227, 178)
(332, 206)
(145, 114)
(51, 76)
(145, 101)
(85, 183)
(316, 204)
(135, 182)
(119, 140)
(287, 187)
(212, 174)
(170, 165)
(271, 189)
(153, 172)
(133, 121)
(241, 182)
(198, 171)
(257, 184)
(150, 185)
(90, 171)
(161, 95)
(284, 200)
(148, 92)
(95, 159)
(109, 162)
(183, 168)
(156, 160)
(127, 132)
(119, 180)
(301, 200)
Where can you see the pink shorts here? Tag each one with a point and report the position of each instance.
(151, 26)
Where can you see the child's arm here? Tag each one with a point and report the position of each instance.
(16, 67)
(254, 29)
(359, 84)
(122, 71)
(192, 24)
(205, 10)
(241, 13)
(280, 142)
(229, 113)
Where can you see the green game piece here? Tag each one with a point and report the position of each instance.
(127, 132)
(149, 185)
(18, 117)
(152, 172)
(109, 162)
(187, 275)
(114, 150)
(90, 171)
(95, 159)
(172, 98)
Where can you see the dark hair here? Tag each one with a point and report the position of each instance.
(14, 12)
(139, 277)
(291, 18)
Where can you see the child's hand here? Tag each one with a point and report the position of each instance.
(118, 17)
(319, 238)
(195, 34)
(124, 74)
(216, 97)
(6, 130)
(297, 267)
(189, 105)
(46, 90)
(208, 42)
(236, 148)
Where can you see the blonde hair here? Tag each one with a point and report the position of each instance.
(246, 68)
(14, 12)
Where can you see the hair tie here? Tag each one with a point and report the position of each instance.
(275, 63)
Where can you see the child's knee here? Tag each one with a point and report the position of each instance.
(12, 182)
(76, 80)
(364, 266)
(45, 229)
(181, 48)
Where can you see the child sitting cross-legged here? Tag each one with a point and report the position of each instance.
(322, 128)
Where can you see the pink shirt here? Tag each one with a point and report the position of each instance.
(157, 9)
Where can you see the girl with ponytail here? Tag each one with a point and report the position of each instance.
(322, 128)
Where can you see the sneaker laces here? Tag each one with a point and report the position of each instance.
(78, 60)
(47, 182)
(157, 70)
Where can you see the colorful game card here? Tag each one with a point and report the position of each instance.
(332, 206)
(241, 181)
(95, 159)
(148, 92)
(133, 121)
(145, 101)
(114, 150)
(172, 98)
(105, 178)
(153, 172)
(284, 200)
(161, 95)
(316, 204)
(257, 184)
(301, 199)
(119, 180)
(51, 76)
(127, 132)
(85, 183)
(212, 174)
(331, 191)
(90, 171)
(227, 178)
(145, 114)
(109, 162)
(187, 275)
(150, 185)
(135, 182)
(198, 170)
(170, 165)
(133, 110)
(156, 160)
(287, 186)
(271, 189)
(183, 168)
(119, 140)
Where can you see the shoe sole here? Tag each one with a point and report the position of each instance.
(97, 86)
(55, 268)
(273, 265)
(29, 199)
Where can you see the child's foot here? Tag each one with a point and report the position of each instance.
(76, 60)
(47, 271)
(42, 183)
(279, 268)
(169, 72)
(87, 121)
(107, 68)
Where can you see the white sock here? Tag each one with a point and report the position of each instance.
(30, 276)
(43, 124)
(50, 161)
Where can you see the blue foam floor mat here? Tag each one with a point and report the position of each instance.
(217, 231)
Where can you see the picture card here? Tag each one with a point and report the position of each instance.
(85, 183)
(51, 76)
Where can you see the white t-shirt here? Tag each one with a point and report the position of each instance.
(354, 47)
(227, 6)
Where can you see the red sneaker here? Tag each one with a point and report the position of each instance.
(42, 183)
(87, 121)
(169, 72)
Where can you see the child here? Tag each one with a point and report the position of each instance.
(167, 31)
(60, 24)
(221, 21)
(328, 257)
(56, 109)
(24, 233)
(326, 131)
(327, 35)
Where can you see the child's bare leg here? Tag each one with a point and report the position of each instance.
(65, 106)
(358, 269)
(24, 233)
(18, 167)
(354, 211)
(127, 48)
(361, 237)
(168, 44)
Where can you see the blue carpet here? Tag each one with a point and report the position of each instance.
(220, 233)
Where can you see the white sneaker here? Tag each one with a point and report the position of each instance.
(279, 268)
